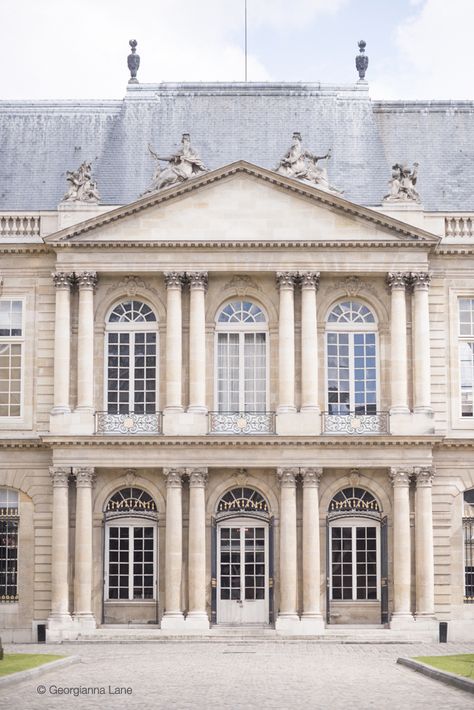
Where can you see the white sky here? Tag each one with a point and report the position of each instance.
(55, 49)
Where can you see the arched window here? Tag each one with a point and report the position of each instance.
(241, 358)
(131, 359)
(468, 531)
(131, 546)
(242, 501)
(351, 342)
(9, 522)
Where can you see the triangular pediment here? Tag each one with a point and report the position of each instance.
(241, 203)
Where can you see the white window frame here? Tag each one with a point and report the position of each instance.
(14, 340)
(453, 387)
(354, 522)
(130, 522)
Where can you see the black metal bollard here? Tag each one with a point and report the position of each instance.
(443, 631)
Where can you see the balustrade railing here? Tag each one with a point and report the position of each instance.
(459, 226)
(129, 423)
(242, 422)
(20, 225)
(356, 424)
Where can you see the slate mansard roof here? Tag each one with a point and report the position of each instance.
(41, 140)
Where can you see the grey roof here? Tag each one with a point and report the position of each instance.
(41, 140)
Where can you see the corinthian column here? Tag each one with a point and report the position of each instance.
(400, 478)
(421, 343)
(397, 282)
(87, 282)
(288, 548)
(197, 342)
(311, 552)
(62, 342)
(174, 357)
(197, 548)
(286, 342)
(424, 555)
(83, 552)
(60, 616)
(309, 342)
(174, 548)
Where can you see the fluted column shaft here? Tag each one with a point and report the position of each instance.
(400, 478)
(309, 342)
(174, 352)
(197, 542)
(288, 543)
(311, 551)
(424, 554)
(60, 543)
(174, 542)
(197, 342)
(62, 342)
(397, 282)
(286, 343)
(83, 548)
(421, 343)
(87, 282)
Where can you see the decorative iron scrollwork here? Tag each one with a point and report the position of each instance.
(356, 424)
(129, 423)
(241, 422)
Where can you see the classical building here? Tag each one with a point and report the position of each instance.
(236, 376)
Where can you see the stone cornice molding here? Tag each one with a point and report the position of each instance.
(174, 279)
(286, 279)
(400, 476)
(198, 280)
(311, 476)
(423, 476)
(60, 476)
(398, 280)
(197, 477)
(174, 477)
(87, 280)
(287, 476)
(420, 280)
(84, 475)
(310, 279)
(63, 280)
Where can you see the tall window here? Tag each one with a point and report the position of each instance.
(351, 342)
(241, 358)
(9, 520)
(131, 549)
(11, 344)
(468, 532)
(466, 354)
(131, 359)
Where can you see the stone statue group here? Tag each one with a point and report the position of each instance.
(297, 163)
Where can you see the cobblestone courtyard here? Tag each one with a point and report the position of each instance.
(238, 674)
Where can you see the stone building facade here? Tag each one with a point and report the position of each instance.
(246, 397)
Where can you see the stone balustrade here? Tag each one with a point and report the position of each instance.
(20, 225)
(459, 226)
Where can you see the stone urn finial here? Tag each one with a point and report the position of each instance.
(133, 61)
(362, 60)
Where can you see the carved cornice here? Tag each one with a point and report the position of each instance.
(87, 280)
(287, 476)
(423, 476)
(286, 279)
(63, 280)
(309, 279)
(174, 477)
(400, 476)
(85, 476)
(175, 279)
(60, 476)
(311, 476)
(198, 279)
(420, 280)
(398, 280)
(197, 477)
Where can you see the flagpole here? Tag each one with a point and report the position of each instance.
(245, 35)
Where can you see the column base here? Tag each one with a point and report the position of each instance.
(312, 625)
(173, 622)
(197, 621)
(197, 409)
(286, 409)
(60, 409)
(288, 624)
(399, 409)
(179, 423)
(423, 410)
(402, 620)
(60, 627)
(84, 623)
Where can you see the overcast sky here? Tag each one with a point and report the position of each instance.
(56, 49)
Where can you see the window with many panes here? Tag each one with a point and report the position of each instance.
(466, 355)
(9, 522)
(11, 352)
(468, 534)
(351, 352)
(241, 358)
(131, 359)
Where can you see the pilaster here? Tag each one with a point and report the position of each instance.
(197, 617)
(83, 561)
(173, 618)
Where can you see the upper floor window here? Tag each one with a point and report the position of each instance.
(11, 354)
(468, 531)
(241, 358)
(9, 520)
(131, 359)
(466, 355)
(351, 346)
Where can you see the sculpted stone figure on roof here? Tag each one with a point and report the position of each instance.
(402, 184)
(303, 165)
(182, 165)
(82, 188)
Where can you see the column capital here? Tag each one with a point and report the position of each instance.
(286, 279)
(398, 280)
(309, 279)
(198, 280)
(62, 280)
(174, 279)
(60, 476)
(423, 476)
(87, 280)
(400, 476)
(287, 476)
(197, 477)
(420, 280)
(311, 476)
(85, 476)
(174, 477)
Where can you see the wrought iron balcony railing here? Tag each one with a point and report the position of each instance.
(356, 424)
(129, 423)
(242, 423)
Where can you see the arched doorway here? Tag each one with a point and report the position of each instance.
(356, 559)
(243, 555)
